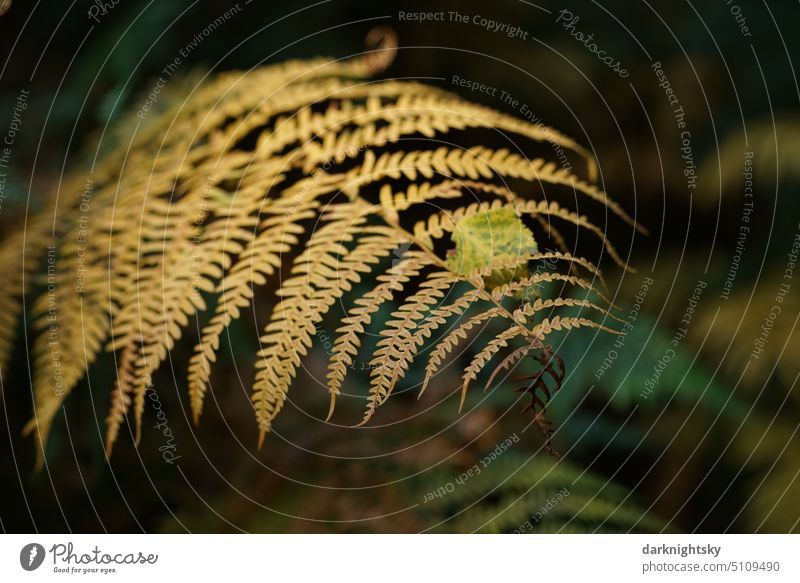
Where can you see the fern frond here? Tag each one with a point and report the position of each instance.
(348, 341)
(320, 276)
(398, 345)
(485, 355)
(439, 224)
(302, 164)
(537, 278)
(475, 163)
(558, 323)
(530, 309)
(449, 343)
(280, 232)
(121, 397)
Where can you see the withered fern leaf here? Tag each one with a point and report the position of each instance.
(312, 165)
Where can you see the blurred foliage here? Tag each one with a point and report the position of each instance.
(515, 495)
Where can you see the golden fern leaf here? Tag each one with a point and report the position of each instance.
(61, 352)
(537, 334)
(451, 341)
(396, 202)
(485, 355)
(537, 278)
(280, 232)
(320, 276)
(575, 261)
(479, 162)
(18, 254)
(215, 193)
(529, 309)
(541, 209)
(396, 348)
(548, 325)
(151, 232)
(552, 209)
(415, 338)
(495, 120)
(437, 225)
(504, 192)
(121, 397)
(348, 341)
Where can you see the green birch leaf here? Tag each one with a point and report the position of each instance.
(495, 244)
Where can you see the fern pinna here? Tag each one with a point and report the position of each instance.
(308, 177)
